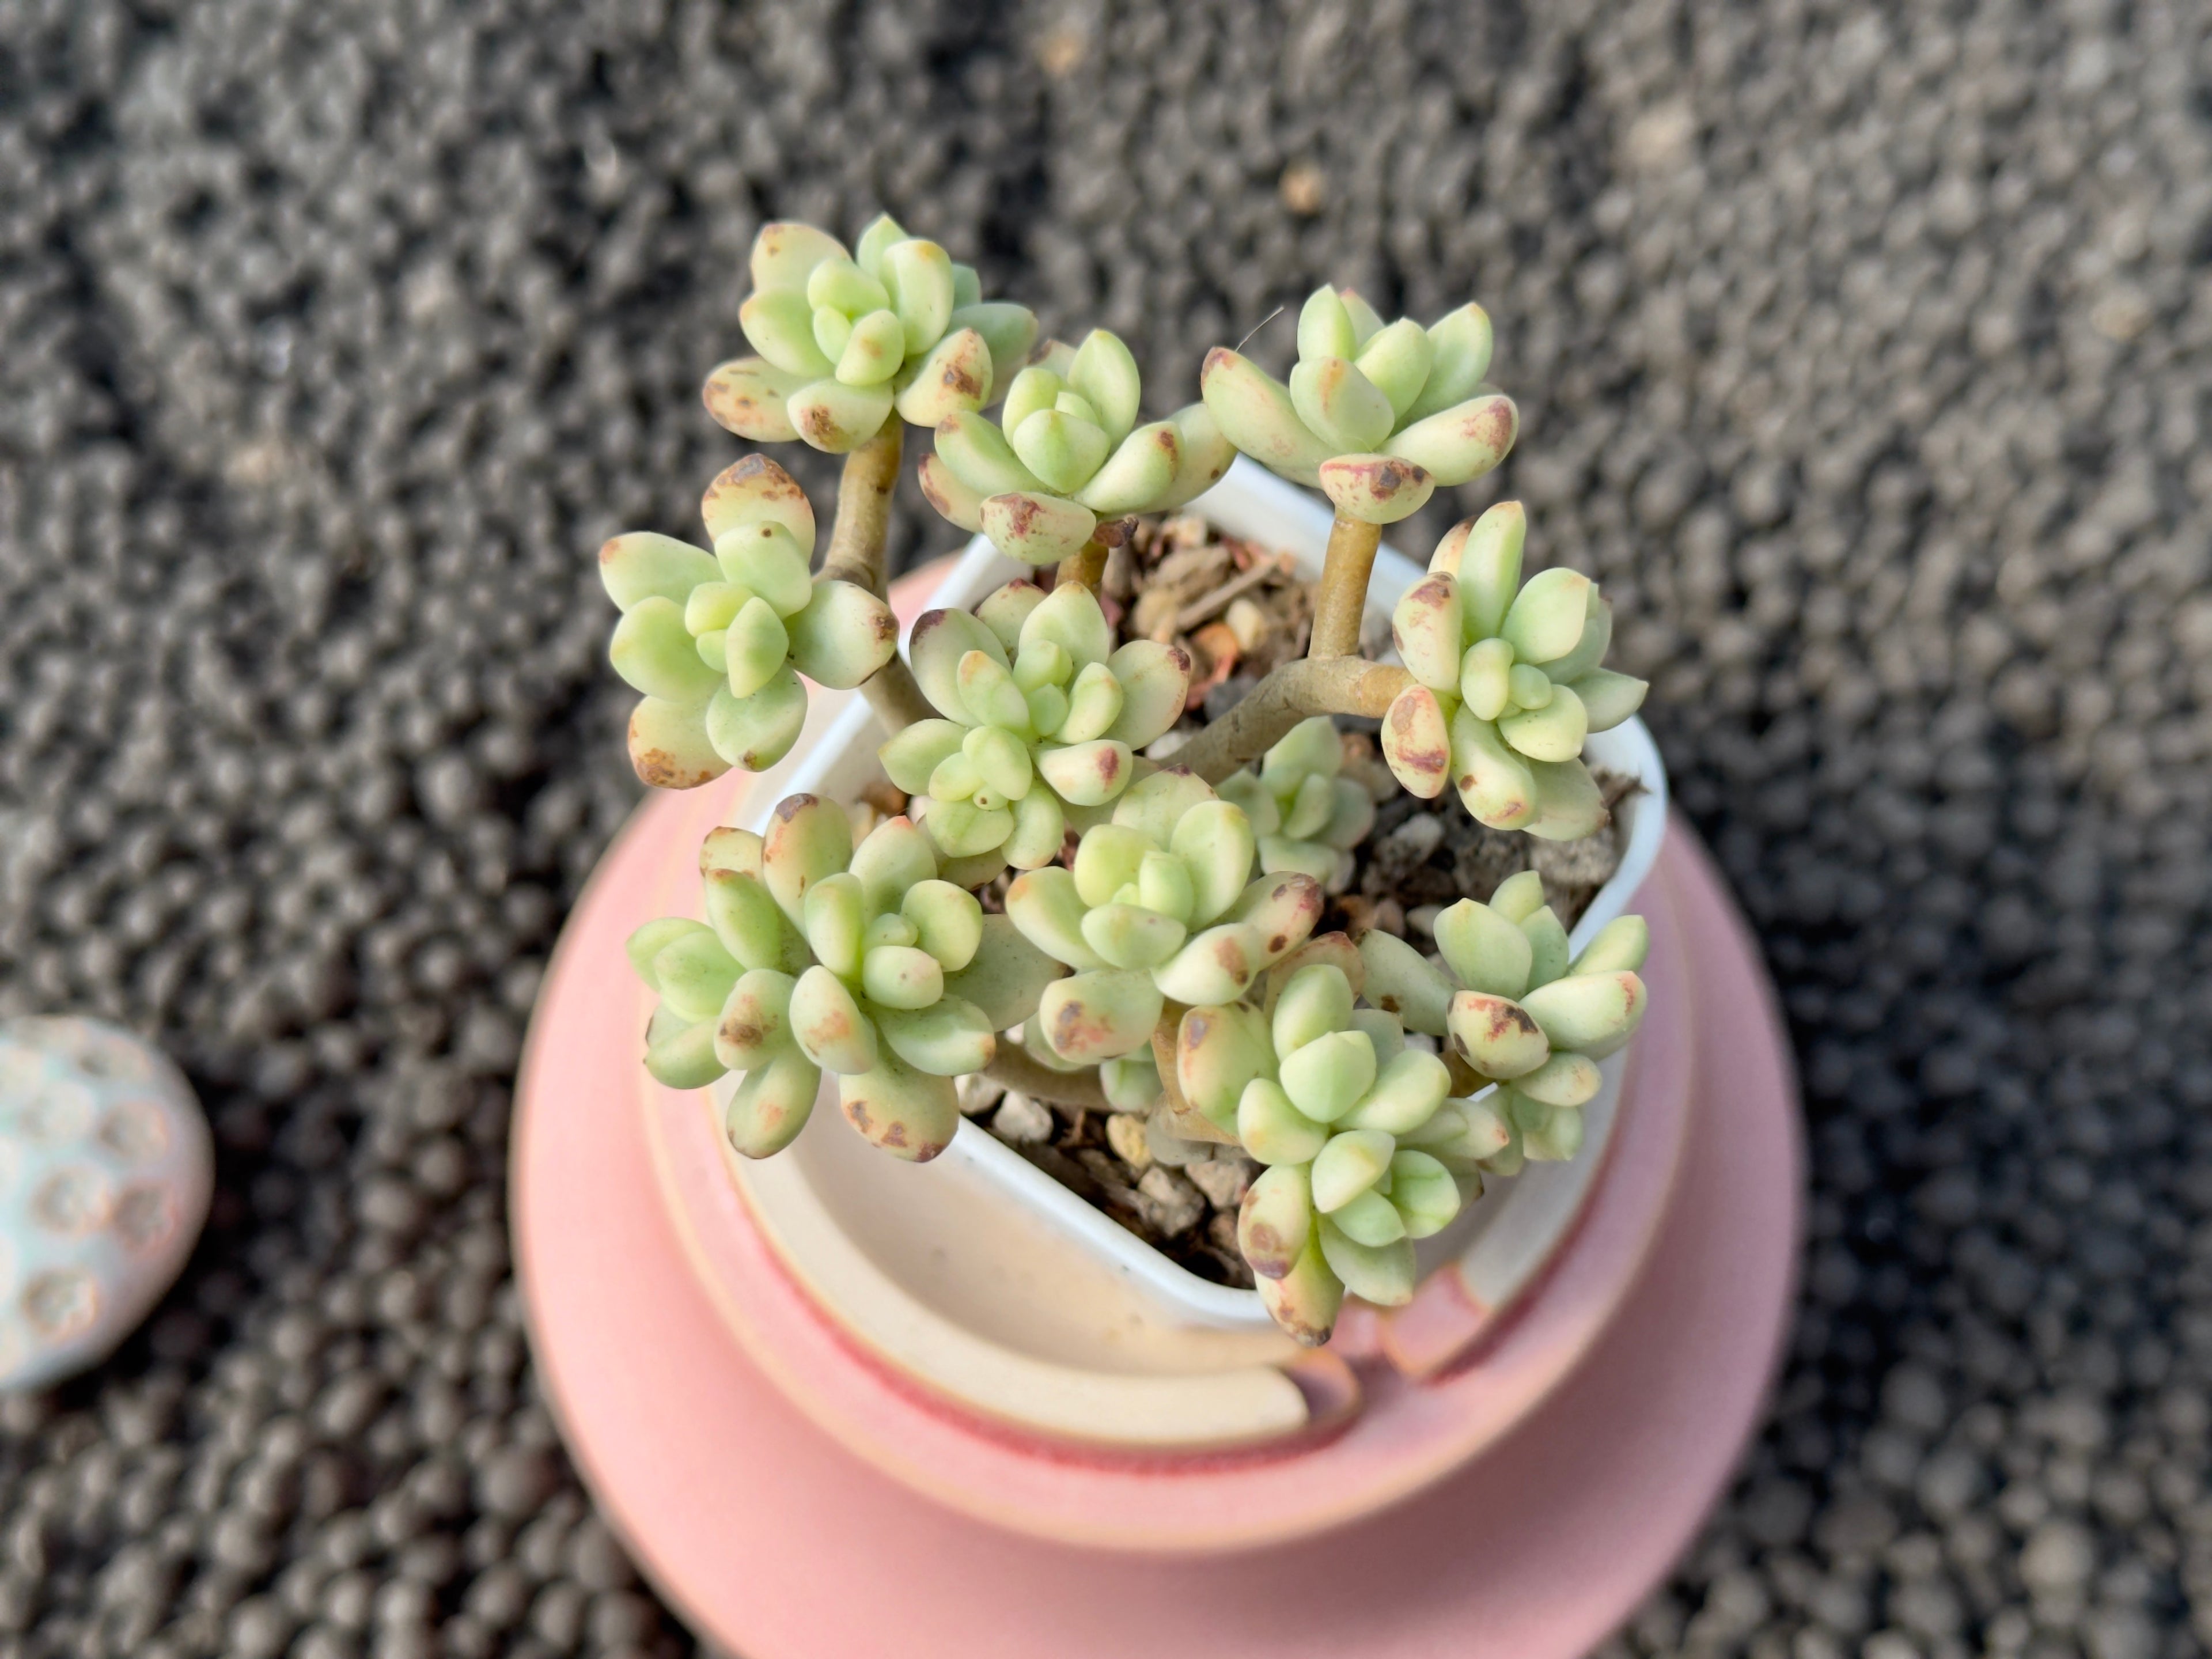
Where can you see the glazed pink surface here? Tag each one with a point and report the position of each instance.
(773, 1541)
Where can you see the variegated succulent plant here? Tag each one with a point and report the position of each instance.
(1366, 1150)
(1160, 906)
(818, 956)
(716, 642)
(1377, 414)
(1043, 718)
(1307, 815)
(1517, 1009)
(1067, 452)
(1507, 683)
(1155, 923)
(845, 339)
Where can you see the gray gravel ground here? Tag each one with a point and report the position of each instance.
(1864, 351)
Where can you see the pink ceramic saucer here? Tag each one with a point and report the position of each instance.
(772, 1540)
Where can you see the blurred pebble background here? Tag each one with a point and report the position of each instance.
(1863, 350)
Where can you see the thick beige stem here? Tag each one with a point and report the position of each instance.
(1022, 1073)
(1302, 687)
(1342, 604)
(893, 693)
(864, 510)
(1087, 564)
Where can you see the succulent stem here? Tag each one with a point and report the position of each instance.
(864, 511)
(1342, 604)
(1020, 1071)
(1087, 564)
(1339, 684)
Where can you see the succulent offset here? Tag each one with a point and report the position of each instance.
(1518, 1010)
(716, 642)
(1365, 1150)
(818, 956)
(1067, 452)
(846, 339)
(1507, 683)
(1308, 817)
(1159, 907)
(1043, 718)
(1376, 414)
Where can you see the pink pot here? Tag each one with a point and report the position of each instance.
(728, 1406)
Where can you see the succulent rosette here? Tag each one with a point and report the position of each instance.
(1158, 907)
(1307, 816)
(1376, 414)
(1043, 715)
(845, 339)
(1517, 1009)
(1067, 452)
(716, 642)
(1507, 683)
(818, 956)
(1366, 1151)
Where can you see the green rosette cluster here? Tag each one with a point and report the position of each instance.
(818, 956)
(1365, 1150)
(1159, 907)
(1067, 452)
(1307, 816)
(1518, 1011)
(1507, 683)
(1377, 414)
(716, 642)
(1043, 716)
(845, 339)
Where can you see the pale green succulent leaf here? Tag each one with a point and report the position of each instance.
(919, 275)
(1547, 940)
(1609, 698)
(1254, 413)
(1350, 1164)
(755, 733)
(1105, 373)
(1376, 489)
(754, 1023)
(654, 654)
(1406, 984)
(1497, 1036)
(1395, 361)
(940, 641)
(771, 1105)
(1275, 1220)
(1202, 455)
(1046, 907)
(750, 396)
(1569, 804)
(1098, 1015)
(1139, 474)
(1316, 1000)
(1221, 1049)
(1325, 327)
(1412, 1084)
(1340, 405)
(1592, 1014)
(1009, 330)
(1416, 739)
(953, 379)
(1305, 1302)
(1495, 784)
(683, 1056)
(899, 1109)
(1621, 945)
(755, 491)
(1086, 773)
(1035, 527)
(1383, 1275)
(669, 747)
(1460, 346)
(837, 418)
(1486, 952)
(643, 565)
(649, 940)
(1005, 976)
